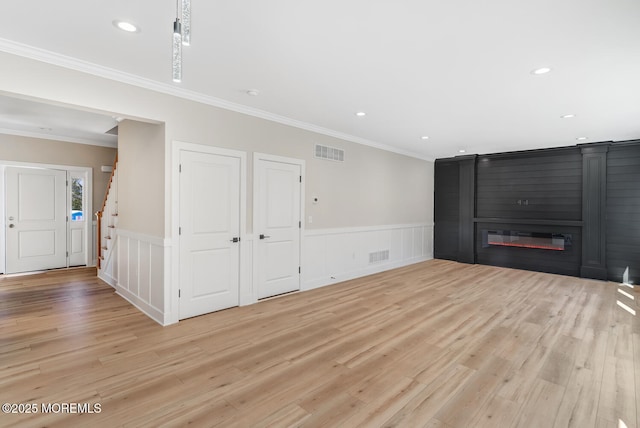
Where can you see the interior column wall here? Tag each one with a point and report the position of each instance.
(141, 177)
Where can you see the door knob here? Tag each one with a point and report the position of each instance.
(264, 236)
(11, 226)
(235, 240)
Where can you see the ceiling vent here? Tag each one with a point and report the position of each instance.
(329, 153)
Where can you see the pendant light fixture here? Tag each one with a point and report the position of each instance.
(181, 36)
(177, 51)
(186, 22)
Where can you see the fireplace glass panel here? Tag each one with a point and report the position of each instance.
(523, 239)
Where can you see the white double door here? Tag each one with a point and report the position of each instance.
(210, 192)
(36, 219)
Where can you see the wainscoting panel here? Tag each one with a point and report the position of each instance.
(334, 255)
(144, 275)
(341, 254)
(109, 268)
(137, 272)
(93, 257)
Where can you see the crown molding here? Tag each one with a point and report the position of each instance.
(60, 60)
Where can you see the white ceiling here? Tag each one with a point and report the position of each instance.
(36, 119)
(457, 71)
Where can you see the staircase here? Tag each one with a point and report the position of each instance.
(107, 223)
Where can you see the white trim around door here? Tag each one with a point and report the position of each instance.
(281, 271)
(173, 299)
(75, 171)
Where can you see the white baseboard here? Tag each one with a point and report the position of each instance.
(153, 313)
(107, 278)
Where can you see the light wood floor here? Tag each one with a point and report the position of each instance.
(437, 344)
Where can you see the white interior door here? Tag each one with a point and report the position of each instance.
(278, 214)
(209, 225)
(36, 219)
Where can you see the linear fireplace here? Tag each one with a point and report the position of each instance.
(553, 248)
(524, 239)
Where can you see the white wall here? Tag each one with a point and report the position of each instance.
(372, 188)
(141, 177)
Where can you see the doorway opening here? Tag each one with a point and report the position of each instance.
(46, 221)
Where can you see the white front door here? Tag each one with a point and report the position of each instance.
(278, 215)
(36, 219)
(209, 225)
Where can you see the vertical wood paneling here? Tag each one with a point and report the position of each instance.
(467, 196)
(446, 209)
(541, 185)
(594, 192)
(547, 183)
(623, 213)
(594, 178)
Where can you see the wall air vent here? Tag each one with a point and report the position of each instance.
(329, 153)
(378, 256)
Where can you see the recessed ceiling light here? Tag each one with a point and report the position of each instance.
(542, 70)
(462, 151)
(126, 26)
(581, 138)
(361, 114)
(425, 137)
(253, 92)
(568, 116)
